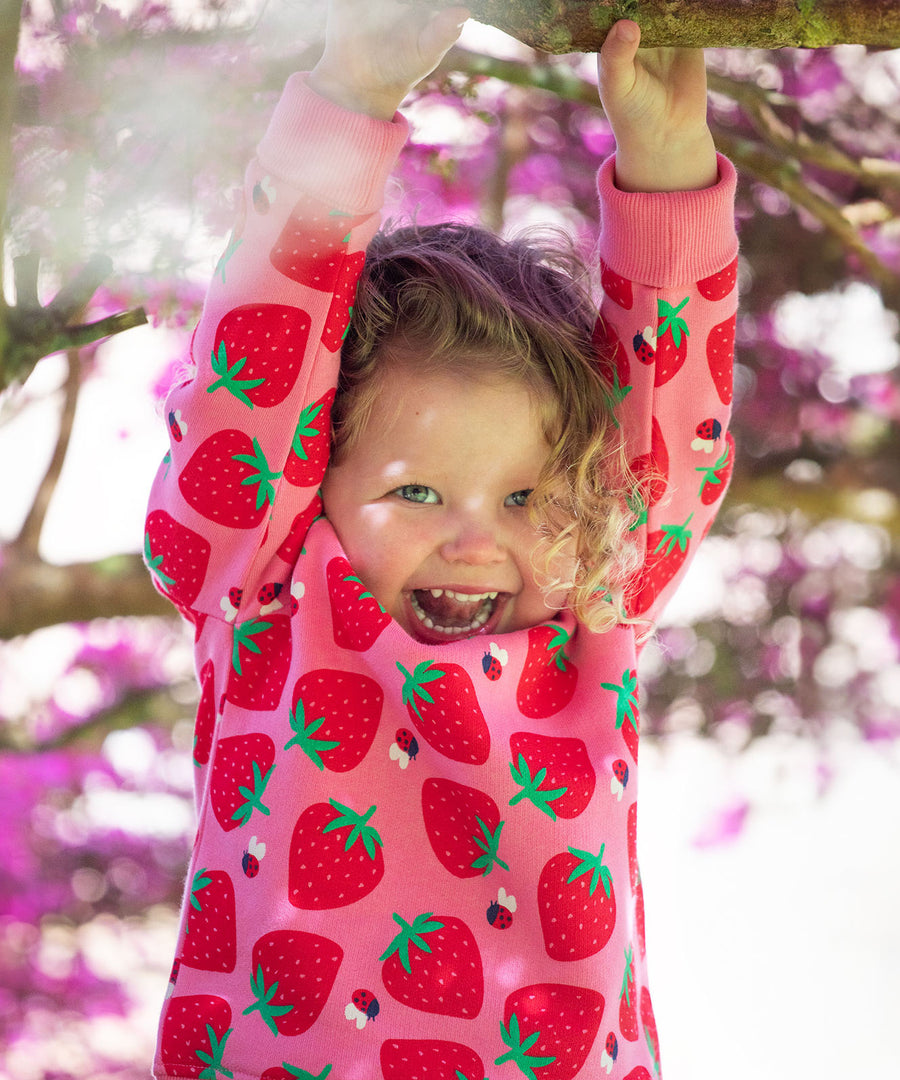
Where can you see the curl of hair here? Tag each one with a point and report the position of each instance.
(465, 302)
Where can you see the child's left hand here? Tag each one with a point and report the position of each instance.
(656, 104)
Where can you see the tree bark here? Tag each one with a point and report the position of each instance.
(562, 26)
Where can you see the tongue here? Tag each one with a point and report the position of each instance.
(445, 610)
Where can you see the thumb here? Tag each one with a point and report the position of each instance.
(442, 31)
(615, 62)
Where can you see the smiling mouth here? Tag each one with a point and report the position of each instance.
(452, 614)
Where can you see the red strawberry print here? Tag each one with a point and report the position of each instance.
(357, 618)
(443, 706)
(612, 361)
(639, 1073)
(667, 549)
(634, 874)
(628, 1001)
(241, 770)
(651, 472)
(210, 937)
(719, 354)
(292, 974)
(671, 341)
(335, 857)
(341, 309)
(717, 286)
(195, 1030)
(292, 544)
(257, 353)
(205, 724)
(649, 1022)
(433, 964)
(334, 716)
(286, 1071)
(715, 477)
(228, 480)
(616, 287)
(627, 709)
(463, 826)
(311, 247)
(429, 1059)
(311, 444)
(548, 677)
(176, 556)
(550, 1027)
(577, 904)
(554, 774)
(260, 662)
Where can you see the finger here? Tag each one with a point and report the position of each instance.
(615, 62)
(442, 31)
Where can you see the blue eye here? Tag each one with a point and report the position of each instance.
(418, 493)
(519, 498)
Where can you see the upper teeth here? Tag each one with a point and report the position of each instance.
(471, 598)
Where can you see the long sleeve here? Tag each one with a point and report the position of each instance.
(249, 431)
(666, 336)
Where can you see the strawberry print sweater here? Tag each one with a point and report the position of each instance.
(412, 862)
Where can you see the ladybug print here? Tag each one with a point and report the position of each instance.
(177, 426)
(707, 433)
(619, 780)
(404, 748)
(362, 1007)
(491, 667)
(231, 603)
(297, 591)
(173, 977)
(251, 857)
(268, 597)
(263, 195)
(610, 1052)
(493, 661)
(500, 912)
(644, 345)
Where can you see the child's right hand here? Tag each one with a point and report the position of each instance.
(376, 51)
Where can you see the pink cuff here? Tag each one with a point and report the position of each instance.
(665, 239)
(359, 153)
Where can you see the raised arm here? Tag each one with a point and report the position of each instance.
(249, 430)
(666, 331)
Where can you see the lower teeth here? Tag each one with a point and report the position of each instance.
(484, 613)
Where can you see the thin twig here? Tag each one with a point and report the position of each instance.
(30, 534)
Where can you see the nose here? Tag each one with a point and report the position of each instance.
(474, 540)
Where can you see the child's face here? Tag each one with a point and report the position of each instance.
(431, 499)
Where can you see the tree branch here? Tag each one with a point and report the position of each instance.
(34, 593)
(561, 26)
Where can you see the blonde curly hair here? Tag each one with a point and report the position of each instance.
(469, 303)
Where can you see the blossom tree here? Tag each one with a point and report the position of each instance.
(124, 129)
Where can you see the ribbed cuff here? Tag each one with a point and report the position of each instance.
(665, 239)
(330, 152)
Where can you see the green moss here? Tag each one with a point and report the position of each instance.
(814, 30)
(559, 39)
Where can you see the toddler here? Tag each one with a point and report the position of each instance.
(420, 548)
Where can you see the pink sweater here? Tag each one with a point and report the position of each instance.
(385, 884)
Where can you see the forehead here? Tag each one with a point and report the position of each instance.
(441, 418)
